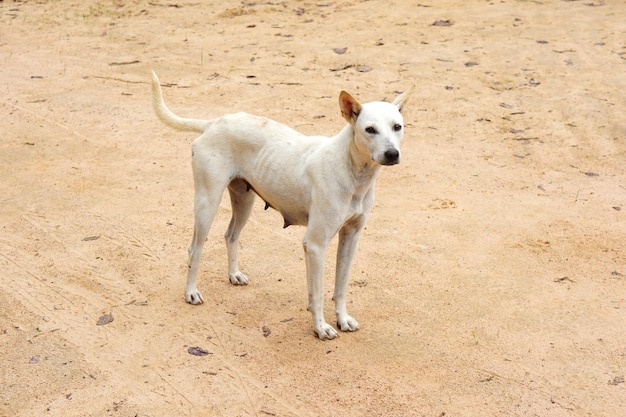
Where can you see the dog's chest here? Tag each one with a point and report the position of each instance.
(359, 204)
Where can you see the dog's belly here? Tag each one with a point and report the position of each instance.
(291, 207)
(298, 219)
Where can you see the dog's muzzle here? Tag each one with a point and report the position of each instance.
(391, 157)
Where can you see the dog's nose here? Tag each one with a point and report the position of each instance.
(392, 157)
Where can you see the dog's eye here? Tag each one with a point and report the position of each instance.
(371, 130)
(397, 127)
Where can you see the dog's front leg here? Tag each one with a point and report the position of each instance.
(315, 246)
(348, 239)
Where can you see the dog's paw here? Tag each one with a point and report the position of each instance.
(238, 278)
(194, 297)
(326, 332)
(347, 324)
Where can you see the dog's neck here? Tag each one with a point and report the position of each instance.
(363, 168)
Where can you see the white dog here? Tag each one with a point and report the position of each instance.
(324, 183)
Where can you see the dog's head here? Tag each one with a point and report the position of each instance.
(378, 126)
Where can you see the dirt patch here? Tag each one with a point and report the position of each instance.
(491, 278)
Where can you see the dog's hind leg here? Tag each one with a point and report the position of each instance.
(242, 201)
(207, 198)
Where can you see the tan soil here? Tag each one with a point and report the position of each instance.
(491, 278)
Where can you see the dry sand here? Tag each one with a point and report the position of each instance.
(491, 278)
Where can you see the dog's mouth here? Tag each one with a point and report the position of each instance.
(388, 163)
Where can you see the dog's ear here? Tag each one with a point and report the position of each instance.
(350, 108)
(402, 98)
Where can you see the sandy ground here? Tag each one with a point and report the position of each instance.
(491, 278)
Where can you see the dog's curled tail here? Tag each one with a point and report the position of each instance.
(168, 117)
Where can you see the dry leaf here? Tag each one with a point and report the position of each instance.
(105, 319)
(344, 67)
(198, 351)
